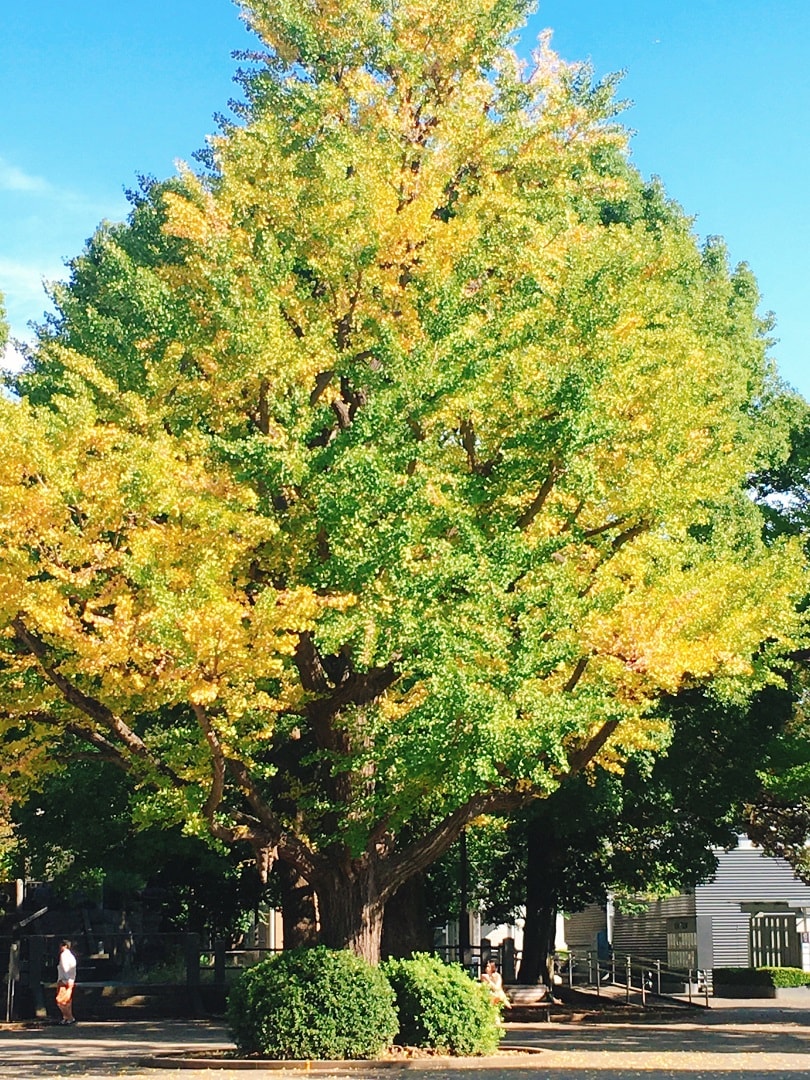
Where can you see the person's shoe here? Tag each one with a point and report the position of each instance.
(70, 1023)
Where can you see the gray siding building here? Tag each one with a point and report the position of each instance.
(754, 912)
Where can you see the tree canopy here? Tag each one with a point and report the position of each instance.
(391, 467)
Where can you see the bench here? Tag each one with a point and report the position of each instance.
(534, 1001)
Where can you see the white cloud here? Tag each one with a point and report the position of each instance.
(53, 198)
(41, 224)
(12, 359)
(22, 287)
(13, 178)
(20, 280)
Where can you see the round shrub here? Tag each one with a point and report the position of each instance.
(441, 1007)
(312, 1004)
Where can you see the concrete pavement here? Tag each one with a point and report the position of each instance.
(730, 1041)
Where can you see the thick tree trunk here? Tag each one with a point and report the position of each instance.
(537, 962)
(351, 911)
(298, 914)
(406, 929)
(539, 933)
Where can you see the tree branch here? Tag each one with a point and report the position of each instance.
(91, 707)
(322, 380)
(293, 325)
(630, 534)
(554, 471)
(468, 441)
(576, 675)
(415, 858)
(344, 325)
(273, 835)
(307, 660)
(603, 528)
(362, 687)
(345, 687)
(586, 753)
(616, 545)
(217, 790)
(264, 408)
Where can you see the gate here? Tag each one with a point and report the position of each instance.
(681, 944)
(775, 940)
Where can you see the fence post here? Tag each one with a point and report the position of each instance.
(13, 976)
(508, 966)
(689, 985)
(628, 978)
(570, 970)
(658, 976)
(219, 961)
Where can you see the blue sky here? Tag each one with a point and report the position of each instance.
(96, 92)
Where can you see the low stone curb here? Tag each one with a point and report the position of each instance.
(510, 1057)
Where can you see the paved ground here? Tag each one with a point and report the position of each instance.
(728, 1042)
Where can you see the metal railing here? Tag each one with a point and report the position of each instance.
(638, 975)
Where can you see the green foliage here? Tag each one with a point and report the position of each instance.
(782, 490)
(312, 1003)
(441, 1007)
(778, 977)
(787, 976)
(778, 817)
(645, 830)
(392, 470)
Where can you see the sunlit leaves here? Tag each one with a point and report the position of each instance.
(421, 375)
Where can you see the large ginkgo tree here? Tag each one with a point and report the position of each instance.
(391, 466)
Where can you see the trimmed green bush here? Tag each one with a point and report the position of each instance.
(779, 977)
(441, 1007)
(312, 1004)
(787, 976)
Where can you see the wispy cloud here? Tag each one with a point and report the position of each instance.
(16, 183)
(11, 359)
(42, 223)
(13, 178)
(26, 278)
(22, 285)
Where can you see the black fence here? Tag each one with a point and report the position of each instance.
(117, 968)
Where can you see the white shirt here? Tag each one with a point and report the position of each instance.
(66, 971)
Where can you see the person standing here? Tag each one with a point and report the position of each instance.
(65, 981)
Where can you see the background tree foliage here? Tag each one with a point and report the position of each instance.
(391, 469)
(778, 813)
(647, 831)
(81, 834)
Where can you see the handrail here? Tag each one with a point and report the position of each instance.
(637, 973)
